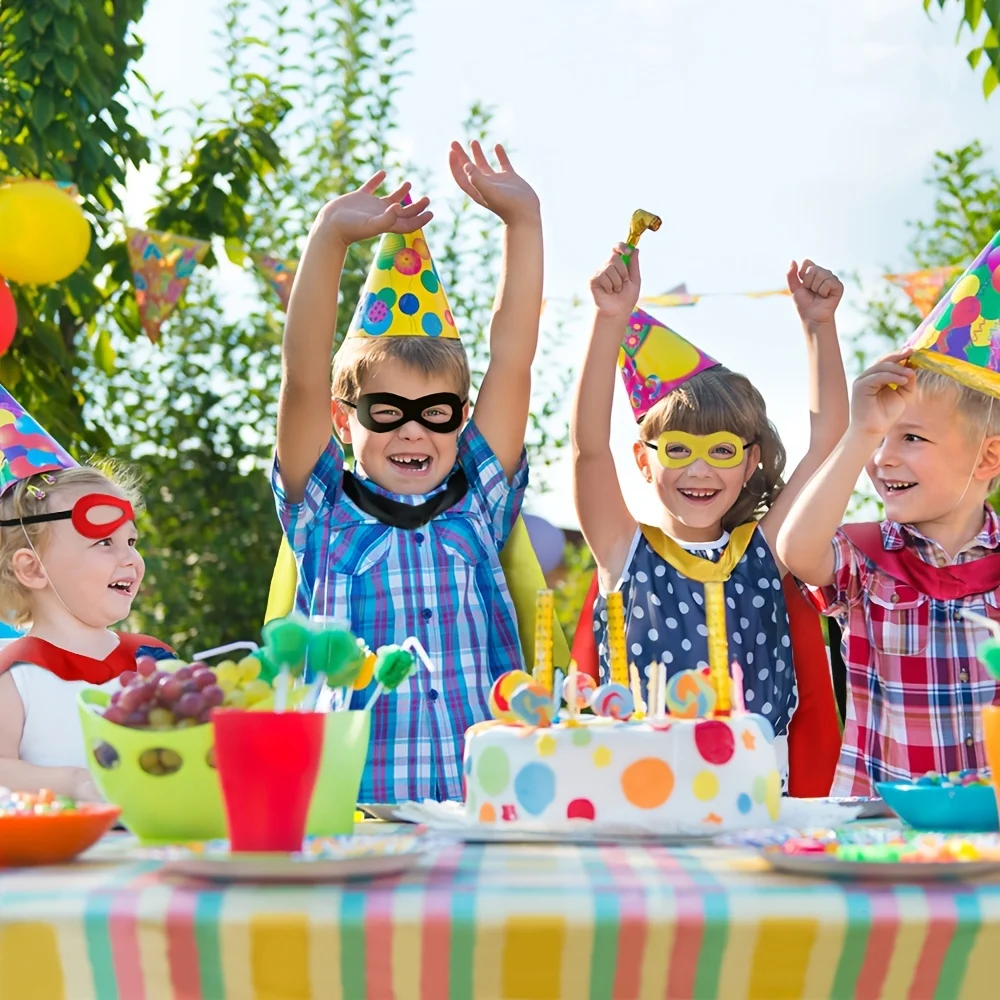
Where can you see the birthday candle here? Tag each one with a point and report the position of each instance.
(616, 639)
(636, 685)
(574, 709)
(544, 609)
(718, 645)
(739, 701)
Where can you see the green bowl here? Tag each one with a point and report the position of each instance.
(187, 805)
(345, 749)
(158, 808)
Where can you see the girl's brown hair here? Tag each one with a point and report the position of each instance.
(40, 495)
(721, 400)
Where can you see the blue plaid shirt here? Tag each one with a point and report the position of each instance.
(442, 583)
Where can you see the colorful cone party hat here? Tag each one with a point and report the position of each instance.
(655, 360)
(403, 296)
(961, 336)
(26, 449)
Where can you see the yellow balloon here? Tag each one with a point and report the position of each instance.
(44, 236)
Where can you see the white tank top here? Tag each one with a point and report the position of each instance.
(52, 735)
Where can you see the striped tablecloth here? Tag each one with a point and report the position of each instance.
(498, 921)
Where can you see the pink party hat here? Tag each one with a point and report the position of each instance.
(655, 360)
(26, 449)
(961, 335)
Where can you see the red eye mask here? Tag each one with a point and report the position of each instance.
(96, 516)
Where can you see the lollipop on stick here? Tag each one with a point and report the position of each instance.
(287, 641)
(393, 665)
(335, 657)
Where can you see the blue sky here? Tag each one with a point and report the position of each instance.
(760, 132)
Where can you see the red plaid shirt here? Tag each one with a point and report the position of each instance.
(915, 687)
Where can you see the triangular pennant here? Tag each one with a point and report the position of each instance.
(961, 335)
(26, 448)
(162, 264)
(924, 287)
(278, 273)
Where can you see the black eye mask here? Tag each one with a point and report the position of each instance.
(410, 409)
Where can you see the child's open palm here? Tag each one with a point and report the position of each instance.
(504, 192)
(615, 287)
(816, 291)
(361, 214)
(880, 394)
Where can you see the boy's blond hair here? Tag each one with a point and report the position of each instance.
(980, 412)
(24, 500)
(360, 357)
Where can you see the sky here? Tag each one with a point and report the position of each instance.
(760, 132)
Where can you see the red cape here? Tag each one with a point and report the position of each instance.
(814, 733)
(75, 666)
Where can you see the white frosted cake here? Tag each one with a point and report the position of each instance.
(668, 775)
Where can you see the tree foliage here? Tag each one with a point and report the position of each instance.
(309, 112)
(982, 18)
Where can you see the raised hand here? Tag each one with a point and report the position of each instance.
(875, 404)
(615, 287)
(504, 192)
(361, 214)
(816, 292)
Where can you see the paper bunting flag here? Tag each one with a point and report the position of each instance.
(26, 448)
(403, 296)
(278, 273)
(924, 287)
(654, 361)
(961, 335)
(162, 264)
(678, 296)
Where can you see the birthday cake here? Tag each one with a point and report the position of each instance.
(666, 775)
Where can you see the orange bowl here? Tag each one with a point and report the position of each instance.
(53, 838)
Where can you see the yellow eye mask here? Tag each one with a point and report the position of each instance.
(675, 449)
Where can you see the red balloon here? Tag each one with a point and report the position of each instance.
(8, 317)
(965, 312)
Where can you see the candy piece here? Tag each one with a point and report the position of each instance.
(367, 671)
(584, 685)
(612, 701)
(335, 654)
(500, 694)
(690, 695)
(392, 666)
(532, 705)
(287, 640)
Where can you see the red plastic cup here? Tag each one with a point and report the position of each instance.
(267, 762)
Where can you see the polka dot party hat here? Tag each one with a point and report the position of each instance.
(654, 360)
(26, 448)
(961, 335)
(403, 296)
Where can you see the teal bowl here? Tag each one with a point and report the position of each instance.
(968, 809)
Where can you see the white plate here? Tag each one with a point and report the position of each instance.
(827, 866)
(388, 814)
(289, 868)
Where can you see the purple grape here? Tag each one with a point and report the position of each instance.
(183, 673)
(132, 698)
(213, 695)
(205, 716)
(190, 687)
(126, 677)
(203, 679)
(189, 706)
(137, 719)
(106, 755)
(169, 689)
(145, 665)
(116, 714)
(115, 696)
(199, 665)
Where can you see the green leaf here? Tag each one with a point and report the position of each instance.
(63, 5)
(67, 33)
(990, 81)
(974, 56)
(235, 251)
(104, 353)
(41, 18)
(973, 12)
(42, 109)
(67, 69)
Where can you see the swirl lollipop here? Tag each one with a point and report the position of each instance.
(577, 690)
(500, 694)
(393, 665)
(612, 701)
(532, 704)
(690, 695)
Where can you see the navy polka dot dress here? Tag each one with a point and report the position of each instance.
(665, 620)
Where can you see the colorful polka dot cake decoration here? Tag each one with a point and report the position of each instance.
(403, 296)
(961, 335)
